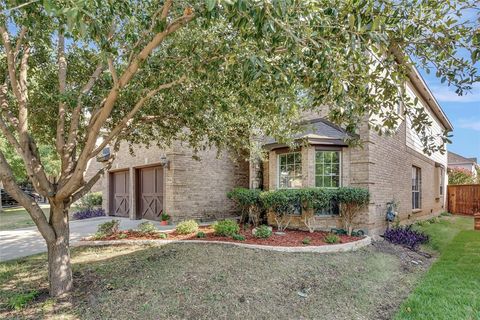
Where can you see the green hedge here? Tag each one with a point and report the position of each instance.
(289, 201)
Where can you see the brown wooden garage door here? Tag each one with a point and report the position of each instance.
(150, 192)
(119, 194)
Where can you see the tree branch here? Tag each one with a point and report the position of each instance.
(62, 83)
(111, 67)
(36, 213)
(11, 64)
(21, 35)
(98, 120)
(127, 119)
(72, 133)
(90, 183)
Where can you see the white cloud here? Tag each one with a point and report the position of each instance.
(469, 124)
(447, 94)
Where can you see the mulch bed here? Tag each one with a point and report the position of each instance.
(291, 238)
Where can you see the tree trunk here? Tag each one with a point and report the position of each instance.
(59, 268)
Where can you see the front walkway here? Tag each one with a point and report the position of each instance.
(27, 241)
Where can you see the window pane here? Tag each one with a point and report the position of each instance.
(290, 158)
(336, 181)
(336, 169)
(298, 157)
(283, 160)
(319, 169)
(327, 182)
(298, 168)
(335, 157)
(328, 156)
(318, 181)
(319, 156)
(327, 170)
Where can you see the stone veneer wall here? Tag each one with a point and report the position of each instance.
(193, 189)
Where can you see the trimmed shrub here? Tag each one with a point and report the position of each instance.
(226, 228)
(331, 238)
(282, 204)
(351, 201)
(250, 204)
(146, 227)
(406, 236)
(108, 228)
(238, 237)
(187, 227)
(88, 213)
(90, 200)
(263, 231)
(201, 234)
(163, 235)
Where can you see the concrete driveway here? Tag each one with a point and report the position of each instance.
(27, 241)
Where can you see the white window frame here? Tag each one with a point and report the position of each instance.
(278, 168)
(418, 184)
(442, 182)
(340, 164)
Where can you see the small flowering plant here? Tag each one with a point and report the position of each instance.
(88, 213)
(406, 236)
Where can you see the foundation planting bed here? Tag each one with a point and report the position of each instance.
(291, 238)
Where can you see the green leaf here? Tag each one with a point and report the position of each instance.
(210, 4)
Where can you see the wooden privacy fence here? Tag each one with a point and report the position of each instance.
(464, 199)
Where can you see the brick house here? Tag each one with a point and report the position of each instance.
(392, 167)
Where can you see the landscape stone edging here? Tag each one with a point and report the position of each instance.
(342, 247)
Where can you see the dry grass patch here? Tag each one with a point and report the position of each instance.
(178, 281)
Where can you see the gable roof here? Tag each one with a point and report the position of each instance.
(427, 95)
(454, 158)
(320, 131)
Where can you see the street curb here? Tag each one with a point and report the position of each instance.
(342, 247)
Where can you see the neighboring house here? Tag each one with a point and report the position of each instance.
(456, 161)
(392, 168)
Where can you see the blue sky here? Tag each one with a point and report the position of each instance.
(464, 114)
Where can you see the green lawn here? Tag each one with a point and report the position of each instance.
(18, 217)
(14, 218)
(451, 288)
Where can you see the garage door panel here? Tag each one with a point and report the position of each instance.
(120, 194)
(150, 196)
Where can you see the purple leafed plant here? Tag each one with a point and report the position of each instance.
(88, 213)
(406, 236)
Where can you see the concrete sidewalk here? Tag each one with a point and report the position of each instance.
(27, 241)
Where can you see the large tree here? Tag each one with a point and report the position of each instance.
(210, 73)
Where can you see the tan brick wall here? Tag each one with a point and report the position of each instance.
(391, 162)
(193, 188)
